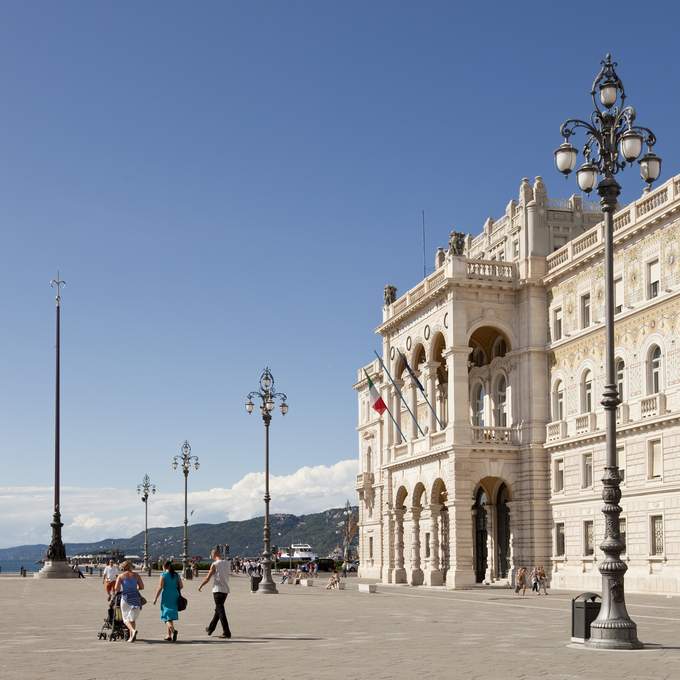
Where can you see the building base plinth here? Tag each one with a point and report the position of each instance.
(434, 578)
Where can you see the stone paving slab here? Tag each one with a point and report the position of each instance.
(49, 630)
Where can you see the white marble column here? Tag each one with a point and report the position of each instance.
(411, 395)
(430, 371)
(396, 410)
(461, 570)
(433, 576)
(458, 393)
(399, 571)
(416, 571)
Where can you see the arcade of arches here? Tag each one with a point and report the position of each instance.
(423, 532)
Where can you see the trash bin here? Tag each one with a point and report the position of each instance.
(584, 610)
(255, 583)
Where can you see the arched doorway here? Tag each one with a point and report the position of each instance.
(479, 512)
(503, 532)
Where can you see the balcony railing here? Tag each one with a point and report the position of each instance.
(622, 414)
(653, 406)
(586, 423)
(490, 270)
(492, 435)
(556, 430)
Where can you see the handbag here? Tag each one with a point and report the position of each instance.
(142, 599)
(181, 603)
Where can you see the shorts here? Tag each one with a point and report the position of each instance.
(130, 612)
(109, 586)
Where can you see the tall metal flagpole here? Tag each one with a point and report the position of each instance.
(422, 390)
(56, 565)
(389, 375)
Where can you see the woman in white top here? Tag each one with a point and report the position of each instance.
(219, 572)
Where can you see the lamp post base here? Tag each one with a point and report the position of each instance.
(618, 642)
(268, 588)
(56, 569)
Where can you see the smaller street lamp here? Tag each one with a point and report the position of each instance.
(185, 461)
(144, 490)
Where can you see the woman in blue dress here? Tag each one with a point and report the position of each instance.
(170, 584)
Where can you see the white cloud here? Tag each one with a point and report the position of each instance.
(96, 513)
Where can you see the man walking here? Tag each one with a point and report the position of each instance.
(219, 572)
(110, 576)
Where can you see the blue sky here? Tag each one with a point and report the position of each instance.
(228, 185)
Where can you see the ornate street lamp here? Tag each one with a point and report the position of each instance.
(144, 489)
(185, 461)
(267, 396)
(612, 141)
(349, 531)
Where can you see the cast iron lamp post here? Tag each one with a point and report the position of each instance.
(144, 490)
(56, 565)
(612, 141)
(185, 460)
(267, 396)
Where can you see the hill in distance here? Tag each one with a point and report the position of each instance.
(322, 530)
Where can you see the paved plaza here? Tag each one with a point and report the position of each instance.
(49, 630)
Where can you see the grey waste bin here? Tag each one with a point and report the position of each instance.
(584, 610)
(255, 583)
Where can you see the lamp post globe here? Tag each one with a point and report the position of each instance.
(612, 141)
(267, 396)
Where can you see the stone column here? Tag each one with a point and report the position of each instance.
(431, 390)
(458, 397)
(416, 571)
(441, 404)
(444, 541)
(396, 410)
(490, 575)
(433, 576)
(411, 394)
(461, 571)
(399, 571)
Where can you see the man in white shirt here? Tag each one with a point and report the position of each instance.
(219, 572)
(110, 574)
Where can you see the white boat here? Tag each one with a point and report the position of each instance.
(301, 551)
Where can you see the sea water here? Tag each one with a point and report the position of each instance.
(13, 566)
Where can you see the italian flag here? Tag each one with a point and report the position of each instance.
(377, 403)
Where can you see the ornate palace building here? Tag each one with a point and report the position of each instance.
(507, 338)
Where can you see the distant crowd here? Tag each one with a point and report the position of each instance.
(537, 579)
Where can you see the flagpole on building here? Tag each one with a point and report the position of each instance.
(387, 408)
(422, 389)
(389, 375)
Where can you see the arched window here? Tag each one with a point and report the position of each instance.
(558, 401)
(478, 406)
(587, 392)
(654, 370)
(620, 368)
(501, 403)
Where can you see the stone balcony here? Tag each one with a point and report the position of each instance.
(585, 423)
(492, 435)
(654, 405)
(365, 479)
(556, 430)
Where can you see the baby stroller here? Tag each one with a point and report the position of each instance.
(114, 628)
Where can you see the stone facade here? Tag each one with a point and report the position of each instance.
(506, 338)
